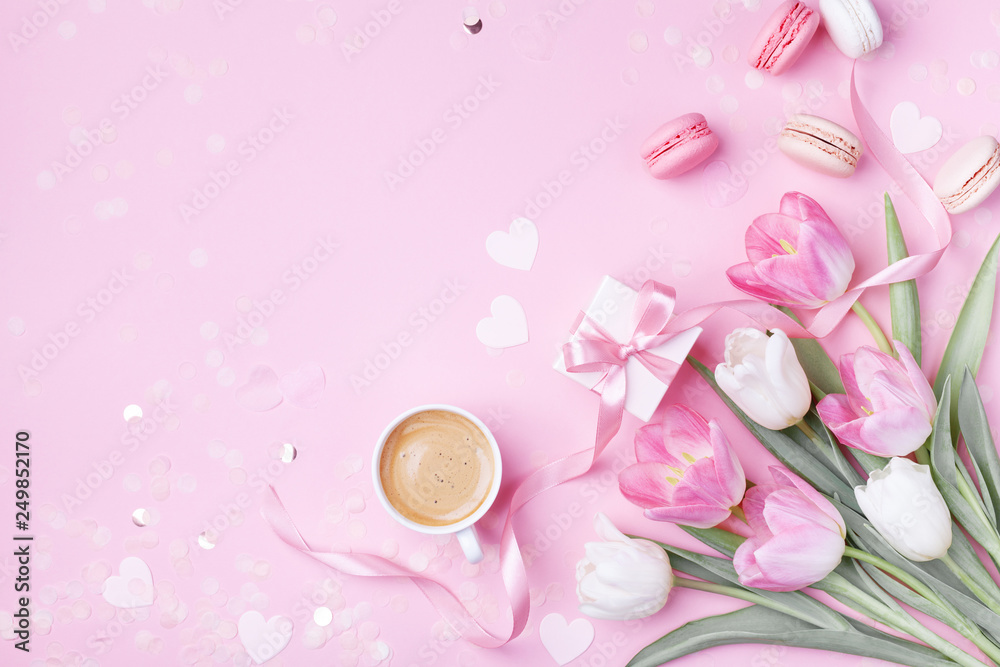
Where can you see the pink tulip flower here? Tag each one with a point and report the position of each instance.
(798, 257)
(798, 535)
(889, 407)
(687, 471)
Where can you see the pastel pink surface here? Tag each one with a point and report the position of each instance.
(784, 37)
(678, 146)
(309, 255)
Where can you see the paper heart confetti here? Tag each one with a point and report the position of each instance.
(910, 132)
(565, 641)
(535, 40)
(264, 639)
(132, 587)
(303, 387)
(516, 248)
(720, 187)
(507, 327)
(261, 392)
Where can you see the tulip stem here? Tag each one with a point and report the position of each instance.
(976, 503)
(810, 432)
(873, 328)
(887, 567)
(838, 586)
(971, 583)
(958, 621)
(743, 594)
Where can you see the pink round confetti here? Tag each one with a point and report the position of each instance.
(159, 488)
(354, 501)
(159, 466)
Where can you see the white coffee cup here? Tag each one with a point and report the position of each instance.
(464, 530)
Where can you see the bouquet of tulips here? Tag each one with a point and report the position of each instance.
(887, 484)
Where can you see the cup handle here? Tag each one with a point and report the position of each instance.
(469, 541)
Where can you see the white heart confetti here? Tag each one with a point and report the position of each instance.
(132, 587)
(910, 132)
(264, 639)
(507, 327)
(516, 248)
(565, 641)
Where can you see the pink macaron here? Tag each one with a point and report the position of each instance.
(678, 146)
(783, 38)
(820, 145)
(969, 176)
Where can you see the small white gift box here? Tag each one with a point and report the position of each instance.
(612, 308)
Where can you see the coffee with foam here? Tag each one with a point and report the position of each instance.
(436, 468)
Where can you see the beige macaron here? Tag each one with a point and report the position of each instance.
(970, 175)
(820, 145)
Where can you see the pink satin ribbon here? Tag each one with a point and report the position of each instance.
(598, 351)
(916, 188)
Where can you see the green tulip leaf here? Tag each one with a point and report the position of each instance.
(903, 300)
(828, 453)
(785, 448)
(868, 462)
(721, 540)
(933, 573)
(760, 625)
(976, 431)
(721, 570)
(968, 339)
(817, 364)
(945, 470)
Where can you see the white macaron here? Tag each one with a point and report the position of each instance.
(853, 25)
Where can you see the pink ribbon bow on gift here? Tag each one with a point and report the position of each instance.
(596, 350)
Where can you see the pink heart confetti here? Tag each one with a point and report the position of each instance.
(261, 392)
(720, 186)
(304, 387)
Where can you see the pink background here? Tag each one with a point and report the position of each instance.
(202, 82)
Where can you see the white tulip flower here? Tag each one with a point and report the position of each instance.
(906, 508)
(622, 578)
(763, 377)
